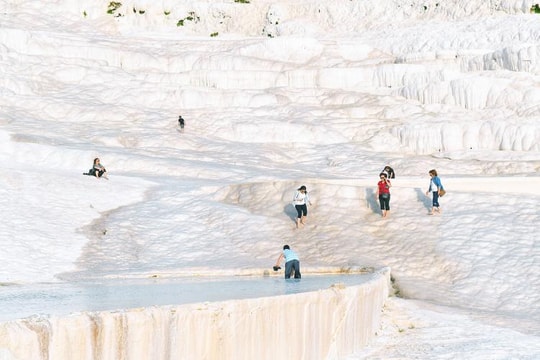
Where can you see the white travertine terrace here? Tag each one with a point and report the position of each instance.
(326, 324)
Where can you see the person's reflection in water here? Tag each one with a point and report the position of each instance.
(292, 286)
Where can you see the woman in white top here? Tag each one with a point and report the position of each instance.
(300, 201)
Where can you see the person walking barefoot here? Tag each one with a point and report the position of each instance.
(383, 193)
(435, 186)
(300, 201)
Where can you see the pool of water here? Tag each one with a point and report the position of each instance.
(22, 301)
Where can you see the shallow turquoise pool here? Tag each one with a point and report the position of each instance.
(22, 301)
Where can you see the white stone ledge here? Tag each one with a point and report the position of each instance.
(325, 324)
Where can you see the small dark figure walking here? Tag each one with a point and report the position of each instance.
(181, 122)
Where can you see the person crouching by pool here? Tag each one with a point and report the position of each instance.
(300, 201)
(292, 262)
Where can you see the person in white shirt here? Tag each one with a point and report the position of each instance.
(300, 201)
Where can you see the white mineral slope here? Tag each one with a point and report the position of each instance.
(284, 94)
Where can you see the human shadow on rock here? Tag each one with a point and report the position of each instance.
(421, 197)
(290, 210)
(372, 202)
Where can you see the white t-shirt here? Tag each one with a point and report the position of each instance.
(300, 198)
